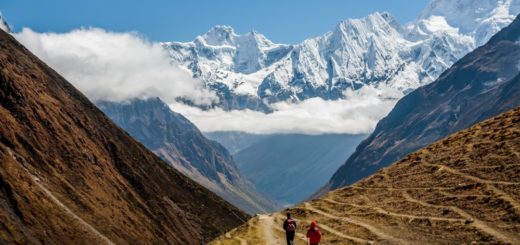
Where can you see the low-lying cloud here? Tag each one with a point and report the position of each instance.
(114, 66)
(358, 113)
(119, 66)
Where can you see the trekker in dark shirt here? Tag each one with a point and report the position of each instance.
(289, 226)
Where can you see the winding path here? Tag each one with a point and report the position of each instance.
(478, 224)
(369, 227)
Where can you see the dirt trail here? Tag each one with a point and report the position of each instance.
(470, 177)
(343, 235)
(96, 235)
(267, 224)
(369, 227)
(505, 197)
(485, 228)
(480, 225)
(401, 189)
(83, 223)
(410, 216)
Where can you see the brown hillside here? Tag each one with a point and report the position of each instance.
(460, 190)
(68, 175)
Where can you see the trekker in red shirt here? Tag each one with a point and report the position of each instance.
(314, 234)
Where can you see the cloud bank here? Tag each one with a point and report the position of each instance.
(119, 66)
(114, 66)
(357, 114)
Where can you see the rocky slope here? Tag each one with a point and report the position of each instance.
(290, 167)
(480, 85)
(462, 189)
(176, 140)
(249, 71)
(69, 175)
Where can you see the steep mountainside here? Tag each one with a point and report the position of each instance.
(482, 84)
(463, 189)
(249, 71)
(69, 175)
(176, 140)
(290, 167)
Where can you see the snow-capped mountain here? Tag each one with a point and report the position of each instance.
(480, 19)
(250, 71)
(3, 24)
(480, 85)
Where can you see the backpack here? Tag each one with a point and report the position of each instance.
(291, 225)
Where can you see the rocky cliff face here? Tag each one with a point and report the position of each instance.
(480, 85)
(176, 140)
(69, 175)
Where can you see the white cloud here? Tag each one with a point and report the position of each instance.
(114, 66)
(359, 113)
(118, 66)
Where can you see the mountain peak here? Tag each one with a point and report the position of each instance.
(220, 35)
(4, 25)
(378, 23)
(370, 22)
(468, 19)
(258, 38)
(222, 29)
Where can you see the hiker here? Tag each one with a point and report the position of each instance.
(314, 234)
(289, 226)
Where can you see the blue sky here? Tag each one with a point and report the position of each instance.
(284, 21)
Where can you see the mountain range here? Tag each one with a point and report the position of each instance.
(179, 142)
(249, 71)
(482, 84)
(69, 175)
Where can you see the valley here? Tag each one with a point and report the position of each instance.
(289, 168)
(392, 127)
(444, 193)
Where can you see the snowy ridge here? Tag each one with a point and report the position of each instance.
(478, 18)
(248, 70)
(3, 24)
